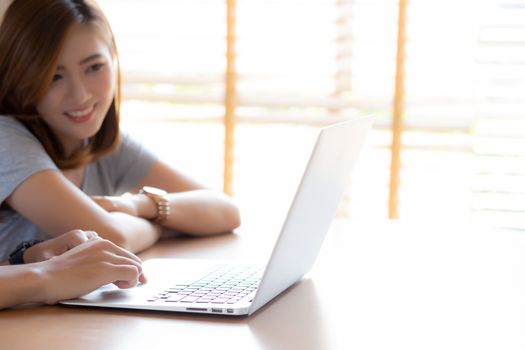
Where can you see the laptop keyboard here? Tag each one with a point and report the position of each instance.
(226, 285)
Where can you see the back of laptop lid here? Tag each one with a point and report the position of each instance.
(313, 208)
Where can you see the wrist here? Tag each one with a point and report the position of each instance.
(48, 280)
(146, 208)
(41, 282)
(28, 284)
(45, 281)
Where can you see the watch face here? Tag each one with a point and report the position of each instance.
(154, 191)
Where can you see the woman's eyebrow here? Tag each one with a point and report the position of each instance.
(90, 58)
(84, 60)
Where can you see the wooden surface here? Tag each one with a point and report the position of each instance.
(375, 286)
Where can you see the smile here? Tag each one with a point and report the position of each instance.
(80, 116)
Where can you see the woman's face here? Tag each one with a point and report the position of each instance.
(82, 90)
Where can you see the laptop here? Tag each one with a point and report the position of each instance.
(227, 288)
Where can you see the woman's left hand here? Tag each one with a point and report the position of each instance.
(124, 204)
(58, 245)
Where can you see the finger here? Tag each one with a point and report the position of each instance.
(97, 199)
(65, 242)
(91, 235)
(125, 276)
(76, 237)
(121, 251)
(124, 284)
(104, 202)
(117, 255)
(125, 261)
(81, 237)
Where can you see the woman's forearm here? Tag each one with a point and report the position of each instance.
(130, 232)
(20, 284)
(202, 212)
(196, 212)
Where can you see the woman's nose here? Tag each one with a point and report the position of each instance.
(79, 91)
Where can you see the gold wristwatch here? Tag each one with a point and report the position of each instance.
(159, 197)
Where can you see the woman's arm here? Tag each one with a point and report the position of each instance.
(52, 202)
(79, 270)
(196, 212)
(193, 209)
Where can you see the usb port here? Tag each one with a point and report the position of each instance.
(230, 311)
(216, 310)
(196, 309)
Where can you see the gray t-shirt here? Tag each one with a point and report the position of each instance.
(22, 155)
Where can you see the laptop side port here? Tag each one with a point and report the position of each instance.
(216, 310)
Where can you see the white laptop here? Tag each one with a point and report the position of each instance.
(213, 287)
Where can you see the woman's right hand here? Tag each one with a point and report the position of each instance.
(86, 267)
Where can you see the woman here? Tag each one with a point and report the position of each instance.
(64, 164)
(66, 267)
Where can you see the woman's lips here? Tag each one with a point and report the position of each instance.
(80, 116)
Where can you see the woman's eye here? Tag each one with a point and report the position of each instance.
(95, 67)
(57, 77)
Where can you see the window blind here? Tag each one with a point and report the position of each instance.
(297, 69)
(303, 64)
(499, 136)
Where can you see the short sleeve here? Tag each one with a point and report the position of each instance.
(21, 156)
(122, 170)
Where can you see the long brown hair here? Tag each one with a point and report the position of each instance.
(32, 35)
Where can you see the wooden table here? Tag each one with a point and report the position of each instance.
(386, 285)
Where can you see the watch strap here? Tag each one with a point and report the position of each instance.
(158, 196)
(163, 210)
(17, 256)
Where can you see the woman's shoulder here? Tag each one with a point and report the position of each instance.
(9, 121)
(130, 158)
(16, 138)
(10, 126)
(128, 145)
(21, 155)
(126, 140)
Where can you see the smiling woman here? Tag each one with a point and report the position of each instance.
(64, 163)
(82, 89)
(29, 87)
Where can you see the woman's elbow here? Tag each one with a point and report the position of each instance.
(234, 218)
(230, 218)
(227, 215)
